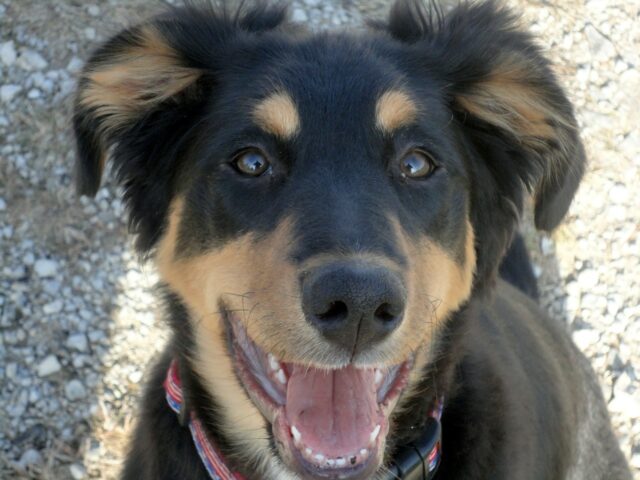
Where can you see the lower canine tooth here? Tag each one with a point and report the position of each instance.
(378, 377)
(273, 362)
(374, 434)
(296, 434)
(281, 377)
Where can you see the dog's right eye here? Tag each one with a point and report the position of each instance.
(251, 163)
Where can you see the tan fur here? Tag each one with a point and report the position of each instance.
(135, 80)
(278, 114)
(395, 109)
(254, 279)
(508, 100)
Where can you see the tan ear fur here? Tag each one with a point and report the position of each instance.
(134, 80)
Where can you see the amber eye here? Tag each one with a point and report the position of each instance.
(417, 164)
(251, 163)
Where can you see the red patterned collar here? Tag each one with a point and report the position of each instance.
(211, 458)
(418, 458)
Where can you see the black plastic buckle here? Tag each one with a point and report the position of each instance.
(418, 460)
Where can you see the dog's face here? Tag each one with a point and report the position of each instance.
(321, 205)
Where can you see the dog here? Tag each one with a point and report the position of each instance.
(332, 217)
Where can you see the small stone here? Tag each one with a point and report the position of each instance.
(45, 268)
(588, 278)
(77, 471)
(625, 404)
(585, 338)
(135, 376)
(74, 390)
(90, 33)
(546, 245)
(299, 15)
(30, 457)
(34, 93)
(53, 307)
(3, 205)
(75, 64)
(78, 342)
(618, 194)
(600, 46)
(7, 53)
(8, 92)
(31, 60)
(93, 10)
(49, 366)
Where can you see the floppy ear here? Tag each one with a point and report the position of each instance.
(143, 91)
(508, 105)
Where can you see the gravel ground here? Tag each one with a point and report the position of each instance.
(78, 320)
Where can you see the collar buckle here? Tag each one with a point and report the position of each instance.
(419, 460)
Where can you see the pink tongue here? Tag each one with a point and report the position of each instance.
(335, 411)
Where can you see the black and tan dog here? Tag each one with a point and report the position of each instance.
(328, 213)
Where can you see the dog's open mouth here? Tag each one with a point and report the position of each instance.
(327, 423)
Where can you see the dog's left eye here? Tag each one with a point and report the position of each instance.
(417, 164)
(251, 163)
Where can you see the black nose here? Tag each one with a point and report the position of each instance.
(354, 305)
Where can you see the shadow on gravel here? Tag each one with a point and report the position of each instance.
(76, 313)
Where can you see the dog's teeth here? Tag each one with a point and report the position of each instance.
(296, 434)
(273, 362)
(378, 377)
(308, 451)
(331, 462)
(374, 434)
(364, 453)
(319, 457)
(340, 462)
(282, 378)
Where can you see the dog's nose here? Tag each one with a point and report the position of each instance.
(354, 305)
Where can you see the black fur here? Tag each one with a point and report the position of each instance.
(518, 396)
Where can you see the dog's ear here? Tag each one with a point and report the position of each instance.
(507, 103)
(152, 66)
(143, 91)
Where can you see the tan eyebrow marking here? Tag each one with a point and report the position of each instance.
(395, 109)
(277, 114)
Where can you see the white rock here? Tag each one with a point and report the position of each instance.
(30, 457)
(588, 278)
(77, 471)
(585, 338)
(7, 53)
(7, 92)
(45, 267)
(49, 366)
(74, 390)
(3, 204)
(299, 15)
(625, 404)
(618, 194)
(546, 245)
(90, 33)
(53, 307)
(34, 93)
(78, 342)
(31, 60)
(601, 47)
(93, 10)
(75, 64)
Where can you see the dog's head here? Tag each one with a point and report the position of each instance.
(322, 204)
